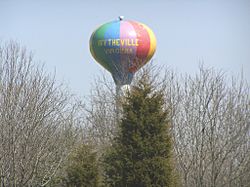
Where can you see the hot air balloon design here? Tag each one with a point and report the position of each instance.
(122, 47)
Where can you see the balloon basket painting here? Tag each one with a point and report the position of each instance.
(122, 47)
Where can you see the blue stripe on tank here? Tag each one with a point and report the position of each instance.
(113, 32)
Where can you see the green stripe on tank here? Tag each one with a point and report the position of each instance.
(99, 52)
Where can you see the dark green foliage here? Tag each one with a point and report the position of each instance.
(82, 168)
(141, 154)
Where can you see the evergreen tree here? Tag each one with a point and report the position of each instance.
(141, 154)
(82, 169)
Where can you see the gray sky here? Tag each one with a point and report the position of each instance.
(216, 32)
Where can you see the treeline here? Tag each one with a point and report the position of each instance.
(167, 130)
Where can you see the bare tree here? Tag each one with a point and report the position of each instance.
(38, 120)
(100, 112)
(211, 122)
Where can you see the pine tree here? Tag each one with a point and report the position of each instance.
(82, 169)
(141, 154)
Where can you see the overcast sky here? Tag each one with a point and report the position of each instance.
(216, 32)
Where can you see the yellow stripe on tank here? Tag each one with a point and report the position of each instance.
(152, 43)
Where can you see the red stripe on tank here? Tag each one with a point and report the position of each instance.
(143, 40)
(142, 48)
